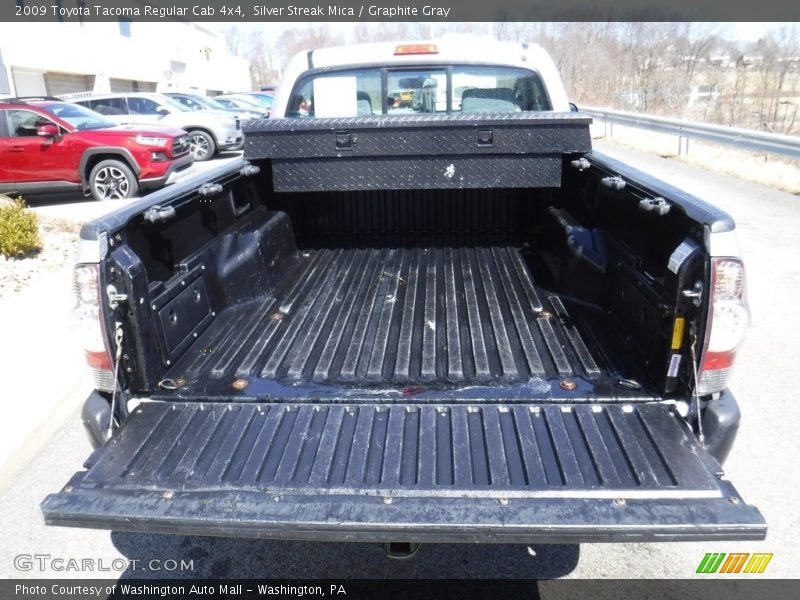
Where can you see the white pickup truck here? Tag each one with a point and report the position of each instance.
(407, 321)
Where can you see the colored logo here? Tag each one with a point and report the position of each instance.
(720, 562)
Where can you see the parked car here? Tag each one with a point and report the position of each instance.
(198, 102)
(48, 145)
(210, 131)
(265, 98)
(245, 99)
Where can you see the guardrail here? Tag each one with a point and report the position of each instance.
(749, 139)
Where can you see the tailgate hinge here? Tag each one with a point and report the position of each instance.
(114, 297)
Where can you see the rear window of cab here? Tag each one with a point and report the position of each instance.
(418, 89)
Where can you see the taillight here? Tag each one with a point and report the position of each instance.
(88, 325)
(727, 322)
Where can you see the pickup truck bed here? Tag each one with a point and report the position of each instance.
(309, 354)
(372, 320)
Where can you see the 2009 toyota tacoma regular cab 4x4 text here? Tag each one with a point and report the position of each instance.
(423, 311)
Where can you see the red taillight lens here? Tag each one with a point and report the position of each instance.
(727, 322)
(416, 49)
(88, 325)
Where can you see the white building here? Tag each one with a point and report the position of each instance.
(59, 58)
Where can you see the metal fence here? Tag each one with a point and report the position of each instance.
(748, 139)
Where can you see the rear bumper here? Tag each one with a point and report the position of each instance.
(721, 419)
(237, 143)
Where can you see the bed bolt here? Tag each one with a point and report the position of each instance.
(619, 502)
(141, 300)
(388, 499)
(68, 489)
(568, 384)
(128, 370)
(545, 314)
(202, 267)
(276, 316)
(239, 384)
(734, 500)
(168, 495)
(503, 501)
(153, 306)
(183, 282)
(169, 362)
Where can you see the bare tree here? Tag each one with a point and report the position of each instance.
(311, 37)
(263, 69)
(390, 32)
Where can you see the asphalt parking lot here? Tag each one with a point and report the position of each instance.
(762, 464)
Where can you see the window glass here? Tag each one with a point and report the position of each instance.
(107, 106)
(78, 116)
(419, 89)
(124, 27)
(342, 94)
(142, 106)
(3, 123)
(497, 89)
(23, 123)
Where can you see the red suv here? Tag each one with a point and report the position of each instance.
(47, 145)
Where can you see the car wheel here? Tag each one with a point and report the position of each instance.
(112, 180)
(201, 145)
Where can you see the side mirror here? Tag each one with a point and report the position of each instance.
(47, 131)
(573, 107)
(163, 111)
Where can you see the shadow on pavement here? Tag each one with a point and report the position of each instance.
(250, 558)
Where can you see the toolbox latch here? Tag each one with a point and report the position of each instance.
(344, 140)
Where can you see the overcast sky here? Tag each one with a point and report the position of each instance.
(748, 32)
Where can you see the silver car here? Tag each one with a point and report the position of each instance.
(210, 131)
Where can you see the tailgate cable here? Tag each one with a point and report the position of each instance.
(118, 357)
(700, 436)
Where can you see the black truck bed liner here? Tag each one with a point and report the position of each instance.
(412, 319)
(388, 472)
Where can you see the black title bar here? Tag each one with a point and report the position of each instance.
(242, 11)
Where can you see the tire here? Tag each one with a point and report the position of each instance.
(112, 180)
(201, 145)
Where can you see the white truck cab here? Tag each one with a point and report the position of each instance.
(458, 73)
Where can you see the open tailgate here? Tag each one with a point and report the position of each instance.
(407, 472)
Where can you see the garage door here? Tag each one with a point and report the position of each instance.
(130, 85)
(67, 83)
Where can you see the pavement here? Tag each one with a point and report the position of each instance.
(45, 378)
(762, 465)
